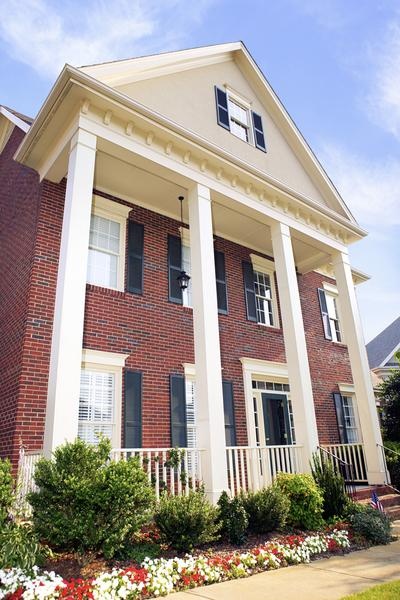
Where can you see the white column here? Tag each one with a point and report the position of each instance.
(209, 399)
(354, 338)
(66, 347)
(295, 342)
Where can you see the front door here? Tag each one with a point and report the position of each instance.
(276, 419)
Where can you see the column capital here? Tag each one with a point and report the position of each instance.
(278, 228)
(340, 258)
(200, 190)
(83, 138)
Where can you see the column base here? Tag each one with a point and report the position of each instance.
(376, 478)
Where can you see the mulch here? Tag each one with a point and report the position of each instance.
(86, 566)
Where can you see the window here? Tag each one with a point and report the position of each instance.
(330, 313)
(100, 396)
(239, 120)
(234, 114)
(179, 259)
(96, 405)
(190, 391)
(103, 252)
(262, 287)
(347, 414)
(260, 299)
(186, 266)
(106, 256)
(350, 419)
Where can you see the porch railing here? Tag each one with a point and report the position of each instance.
(25, 482)
(252, 468)
(383, 450)
(353, 455)
(177, 470)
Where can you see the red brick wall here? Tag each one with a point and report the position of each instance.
(158, 335)
(329, 361)
(19, 200)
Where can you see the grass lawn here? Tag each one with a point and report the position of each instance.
(386, 591)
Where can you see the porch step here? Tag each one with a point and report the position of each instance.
(389, 498)
(364, 493)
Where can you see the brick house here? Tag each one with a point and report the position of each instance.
(254, 365)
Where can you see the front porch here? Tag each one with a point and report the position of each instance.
(179, 470)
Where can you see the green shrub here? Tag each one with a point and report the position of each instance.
(332, 486)
(369, 523)
(6, 489)
(85, 502)
(266, 509)
(306, 500)
(393, 462)
(233, 518)
(186, 522)
(19, 547)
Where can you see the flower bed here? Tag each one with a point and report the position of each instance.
(159, 577)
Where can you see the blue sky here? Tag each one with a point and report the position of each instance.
(334, 63)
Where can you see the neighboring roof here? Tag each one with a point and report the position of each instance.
(16, 118)
(21, 116)
(384, 345)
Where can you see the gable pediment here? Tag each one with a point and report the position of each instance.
(180, 86)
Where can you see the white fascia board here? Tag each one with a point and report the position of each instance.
(14, 119)
(136, 69)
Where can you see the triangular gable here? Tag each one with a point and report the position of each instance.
(180, 85)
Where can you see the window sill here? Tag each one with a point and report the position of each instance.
(106, 290)
(339, 344)
(270, 327)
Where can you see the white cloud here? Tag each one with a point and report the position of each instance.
(370, 188)
(330, 14)
(45, 34)
(383, 101)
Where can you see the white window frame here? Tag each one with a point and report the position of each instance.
(244, 104)
(108, 362)
(331, 290)
(113, 211)
(267, 267)
(348, 391)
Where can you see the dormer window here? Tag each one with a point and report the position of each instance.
(236, 116)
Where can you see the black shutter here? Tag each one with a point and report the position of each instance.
(135, 257)
(221, 101)
(229, 413)
(258, 130)
(340, 418)
(178, 411)
(248, 279)
(220, 277)
(324, 314)
(133, 409)
(174, 269)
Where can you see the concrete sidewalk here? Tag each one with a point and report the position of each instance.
(327, 579)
